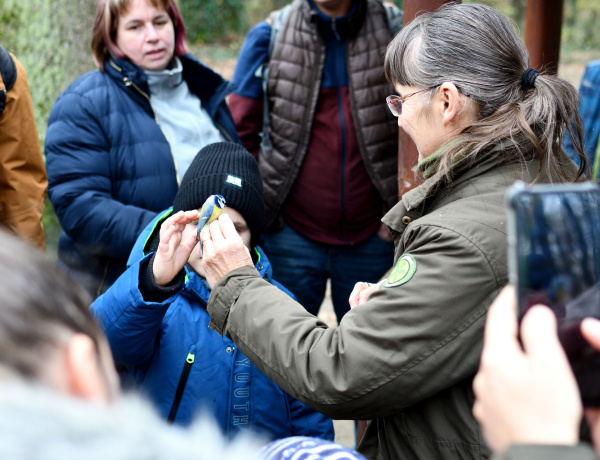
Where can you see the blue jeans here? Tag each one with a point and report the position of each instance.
(304, 266)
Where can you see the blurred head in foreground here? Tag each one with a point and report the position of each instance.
(47, 334)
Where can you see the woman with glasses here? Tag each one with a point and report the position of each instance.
(406, 355)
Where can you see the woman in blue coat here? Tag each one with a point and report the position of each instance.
(120, 138)
(156, 321)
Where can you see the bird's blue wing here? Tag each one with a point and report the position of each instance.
(205, 213)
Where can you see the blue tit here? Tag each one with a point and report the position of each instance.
(210, 211)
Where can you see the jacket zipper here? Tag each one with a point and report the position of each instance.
(129, 83)
(99, 290)
(312, 103)
(187, 367)
(343, 135)
(223, 131)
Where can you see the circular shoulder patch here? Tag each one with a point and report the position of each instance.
(403, 271)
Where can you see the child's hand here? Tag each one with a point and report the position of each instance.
(174, 250)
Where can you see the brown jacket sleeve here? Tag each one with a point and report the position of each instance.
(549, 452)
(407, 343)
(23, 181)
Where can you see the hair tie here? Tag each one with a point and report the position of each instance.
(528, 78)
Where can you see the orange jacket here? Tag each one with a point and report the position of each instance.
(23, 181)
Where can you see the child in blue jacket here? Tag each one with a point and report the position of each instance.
(155, 314)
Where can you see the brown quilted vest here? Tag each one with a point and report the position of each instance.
(295, 72)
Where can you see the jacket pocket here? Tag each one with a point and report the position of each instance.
(443, 426)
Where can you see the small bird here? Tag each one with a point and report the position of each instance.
(210, 211)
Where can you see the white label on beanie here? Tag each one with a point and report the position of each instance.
(234, 180)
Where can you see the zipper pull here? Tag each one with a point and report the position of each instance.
(190, 358)
(127, 81)
(335, 31)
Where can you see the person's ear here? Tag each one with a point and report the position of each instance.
(86, 379)
(451, 101)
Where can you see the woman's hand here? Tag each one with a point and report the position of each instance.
(223, 250)
(174, 250)
(361, 292)
(525, 395)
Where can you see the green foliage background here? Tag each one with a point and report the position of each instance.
(51, 39)
(219, 19)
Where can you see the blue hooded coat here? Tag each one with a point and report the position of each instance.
(165, 343)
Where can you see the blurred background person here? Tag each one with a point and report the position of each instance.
(23, 181)
(120, 138)
(329, 150)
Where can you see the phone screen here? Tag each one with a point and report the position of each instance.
(554, 242)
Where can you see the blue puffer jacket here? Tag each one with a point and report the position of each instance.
(110, 167)
(161, 342)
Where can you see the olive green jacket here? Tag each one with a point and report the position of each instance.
(406, 358)
(539, 452)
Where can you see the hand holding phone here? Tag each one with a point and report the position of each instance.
(554, 260)
(525, 391)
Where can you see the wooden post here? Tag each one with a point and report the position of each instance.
(412, 8)
(407, 151)
(543, 22)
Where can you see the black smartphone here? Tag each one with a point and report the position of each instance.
(554, 260)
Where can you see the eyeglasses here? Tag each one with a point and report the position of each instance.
(394, 101)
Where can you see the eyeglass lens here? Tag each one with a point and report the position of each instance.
(395, 105)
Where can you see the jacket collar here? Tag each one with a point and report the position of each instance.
(162, 81)
(348, 25)
(412, 203)
(205, 83)
(202, 81)
(120, 69)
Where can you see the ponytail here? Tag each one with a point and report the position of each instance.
(479, 50)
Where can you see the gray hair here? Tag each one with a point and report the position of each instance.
(479, 51)
(39, 307)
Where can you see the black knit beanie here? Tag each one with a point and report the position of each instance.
(227, 169)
